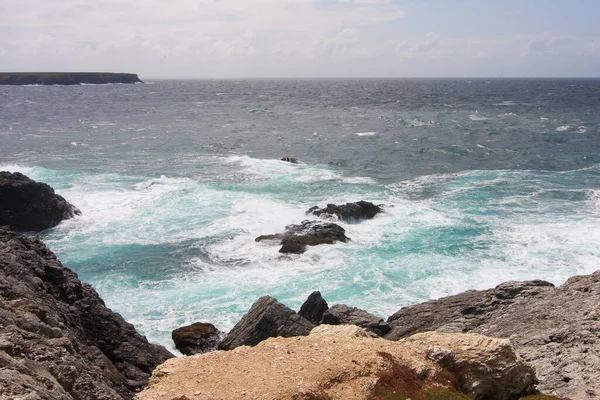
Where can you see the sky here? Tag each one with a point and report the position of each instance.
(303, 38)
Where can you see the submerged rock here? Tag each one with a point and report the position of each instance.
(27, 205)
(197, 338)
(266, 318)
(341, 314)
(57, 338)
(314, 307)
(556, 330)
(308, 233)
(344, 363)
(349, 212)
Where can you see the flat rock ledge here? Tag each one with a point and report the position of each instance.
(344, 362)
(58, 341)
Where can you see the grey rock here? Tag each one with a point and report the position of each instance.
(266, 318)
(341, 314)
(292, 160)
(57, 338)
(314, 307)
(197, 338)
(556, 330)
(296, 238)
(27, 205)
(349, 212)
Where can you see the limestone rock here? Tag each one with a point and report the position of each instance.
(296, 238)
(556, 330)
(343, 362)
(341, 314)
(197, 338)
(314, 307)
(266, 318)
(57, 338)
(27, 205)
(349, 212)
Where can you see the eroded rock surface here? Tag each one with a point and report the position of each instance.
(343, 362)
(341, 314)
(58, 341)
(266, 318)
(556, 330)
(349, 212)
(197, 338)
(27, 205)
(296, 238)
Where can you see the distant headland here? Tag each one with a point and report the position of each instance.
(65, 78)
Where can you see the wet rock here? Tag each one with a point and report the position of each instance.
(308, 233)
(349, 212)
(292, 160)
(197, 338)
(314, 307)
(57, 338)
(341, 314)
(27, 205)
(266, 318)
(555, 330)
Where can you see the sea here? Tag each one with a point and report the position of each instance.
(483, 181)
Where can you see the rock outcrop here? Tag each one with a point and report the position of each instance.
(341, 314)
(27, 205)
(556, 330)
(343, 362)
(349, 212)
(65, 78)
(292, 160)
(266, 318)
(314, 307)
(57, 338)
(296, 238)
(197, 338)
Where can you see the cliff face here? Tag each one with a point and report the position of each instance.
(345, 362)
(65, 78)
(57, 338)
(556, 330)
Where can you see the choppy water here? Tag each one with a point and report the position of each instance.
(490, 180)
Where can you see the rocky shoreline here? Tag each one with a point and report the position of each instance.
(65, 78)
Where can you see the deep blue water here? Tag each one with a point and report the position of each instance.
(490, 180)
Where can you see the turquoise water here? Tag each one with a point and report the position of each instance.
(484, 182)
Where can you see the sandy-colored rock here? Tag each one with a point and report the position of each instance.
(344, 362)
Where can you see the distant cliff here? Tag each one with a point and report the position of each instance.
(65, 78)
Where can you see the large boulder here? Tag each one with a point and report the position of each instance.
(341, 314)
(349, 212)
(344, 363)
(197, 338)
(314, 307)
(556, 330)
(57, 338)
(296, 238)
(27, 205)
(266, 318)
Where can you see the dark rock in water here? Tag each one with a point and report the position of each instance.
(555, 330)
(57, 338)
(348, 212)
(341, 314)
(27, 205)
(292, 160)
(314, 307)
(196, 338)
(308, 233)
(266, 318)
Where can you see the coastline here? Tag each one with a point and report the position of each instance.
(65, 78)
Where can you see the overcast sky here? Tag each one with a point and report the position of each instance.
(303, 38)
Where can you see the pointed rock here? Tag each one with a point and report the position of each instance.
(314, 307)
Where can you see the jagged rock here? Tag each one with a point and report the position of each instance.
(197, 338)
(308, 233)
(266, 318)
(57, 338)
(292, 160)
(349, 212)
(314, 307)
(341, 314)
(556, 330)
(344, 363)
(27, 205)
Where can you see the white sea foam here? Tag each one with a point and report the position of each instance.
(366, 133)
(563, 128)
(477, 117)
